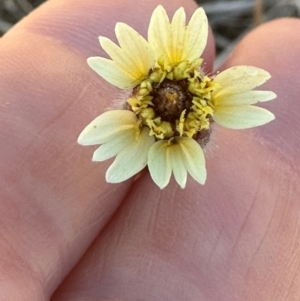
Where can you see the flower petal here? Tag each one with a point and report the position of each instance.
(176, 42)
(193, 157)
(242, 117)
(196, 35)
(159, 163)
(111, 73)
(130, 160)
(240, 79)
(159, 32)
(177, 36)
(243, 98)
(120, 58)
(131, 61)
(178, 166)
(138, 51)
(185, 155)
(115, 145)
(106, 126)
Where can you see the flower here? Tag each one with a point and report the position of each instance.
(166, 120)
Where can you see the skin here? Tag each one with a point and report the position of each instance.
(68, 235)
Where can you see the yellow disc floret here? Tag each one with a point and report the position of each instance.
(174, 100)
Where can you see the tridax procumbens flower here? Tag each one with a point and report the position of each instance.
(166, 120)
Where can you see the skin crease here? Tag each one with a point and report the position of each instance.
(235, 238)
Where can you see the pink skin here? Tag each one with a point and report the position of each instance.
(234, 239)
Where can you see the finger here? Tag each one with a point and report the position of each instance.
(236, 237)
(54, 200)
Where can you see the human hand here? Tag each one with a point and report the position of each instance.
(235, 238)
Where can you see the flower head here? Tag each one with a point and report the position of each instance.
(166, 120)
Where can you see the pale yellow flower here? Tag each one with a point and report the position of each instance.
(166, 119)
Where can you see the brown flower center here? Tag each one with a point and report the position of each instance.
(170, 98)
